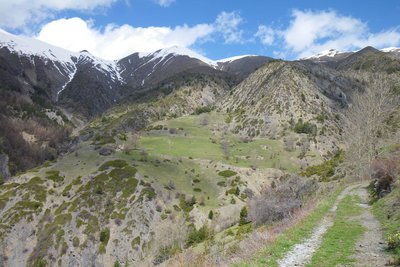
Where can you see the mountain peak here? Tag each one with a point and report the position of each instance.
(325, 53)
(230, 59)
(31, 46)
(180, 51)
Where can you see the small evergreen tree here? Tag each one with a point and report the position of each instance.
(211, 215)
(243, 216)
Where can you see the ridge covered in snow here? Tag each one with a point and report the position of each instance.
(181, 51)
(230, 59)
(326, 53)
(391, 49)
(31, 46)
(28, 46)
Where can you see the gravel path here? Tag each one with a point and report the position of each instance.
(302, 253)
(370, 247)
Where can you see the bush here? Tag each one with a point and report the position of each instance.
(201, 110)
(186, 204)
(383, 173)
(394, 240)
(305, 127)
(211, 215)
(233, 191)
(118, 163)
(198, 236)
(105, 236)
(227, 173)
(75, 241)
(54, 176)
(326, 169)
(277, 204)
(243, 216)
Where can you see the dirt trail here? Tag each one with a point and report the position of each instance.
(369, 250)
(370, 247)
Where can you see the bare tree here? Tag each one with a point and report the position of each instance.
(225, 148)
(366, 129)
(204, 119)
(134, 139)
(169, 234)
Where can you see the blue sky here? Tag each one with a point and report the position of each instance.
(217, 29)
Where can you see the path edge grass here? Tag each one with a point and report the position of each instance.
(338, 244)
(285, 241)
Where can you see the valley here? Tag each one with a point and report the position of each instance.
(169, 158)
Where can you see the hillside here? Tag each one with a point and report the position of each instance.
(169, 157)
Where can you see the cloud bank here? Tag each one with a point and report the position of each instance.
(116, 41)
(310, 32)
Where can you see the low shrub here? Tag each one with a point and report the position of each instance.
(201, 110)
(118, 163)
(54, 176)
(305, 127)
(325, 170)
(227, 173)
(105, 236)
(197, 236)
(276, 204)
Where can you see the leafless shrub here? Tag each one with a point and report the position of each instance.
(225, 148)
(172, 130)
(384, 173)
(248, 193)
(290, 143)
(276, 204)
(169, 236)
(204, 119)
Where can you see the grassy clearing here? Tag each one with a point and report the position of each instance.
(193, 140)
(339, 242)
(182, 173)
(272, 253)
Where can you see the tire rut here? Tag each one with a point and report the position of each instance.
(302, 253)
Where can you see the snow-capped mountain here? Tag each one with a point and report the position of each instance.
(391, 49)
(331, 53)
(231, 59)
(88, 84)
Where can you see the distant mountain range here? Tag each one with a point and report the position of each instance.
(32, 63)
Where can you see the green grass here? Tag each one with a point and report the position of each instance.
(338, 243)
(202, 142)
(387, 211)
(272, 253)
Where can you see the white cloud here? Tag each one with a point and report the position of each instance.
(265, 34)
(310, 32)
(164, 3)
(18, 13)
(114, 41)
(227, 23)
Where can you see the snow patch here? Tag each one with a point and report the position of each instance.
(230, 59)
(391, 49)
(326, 53)
(180, 51)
